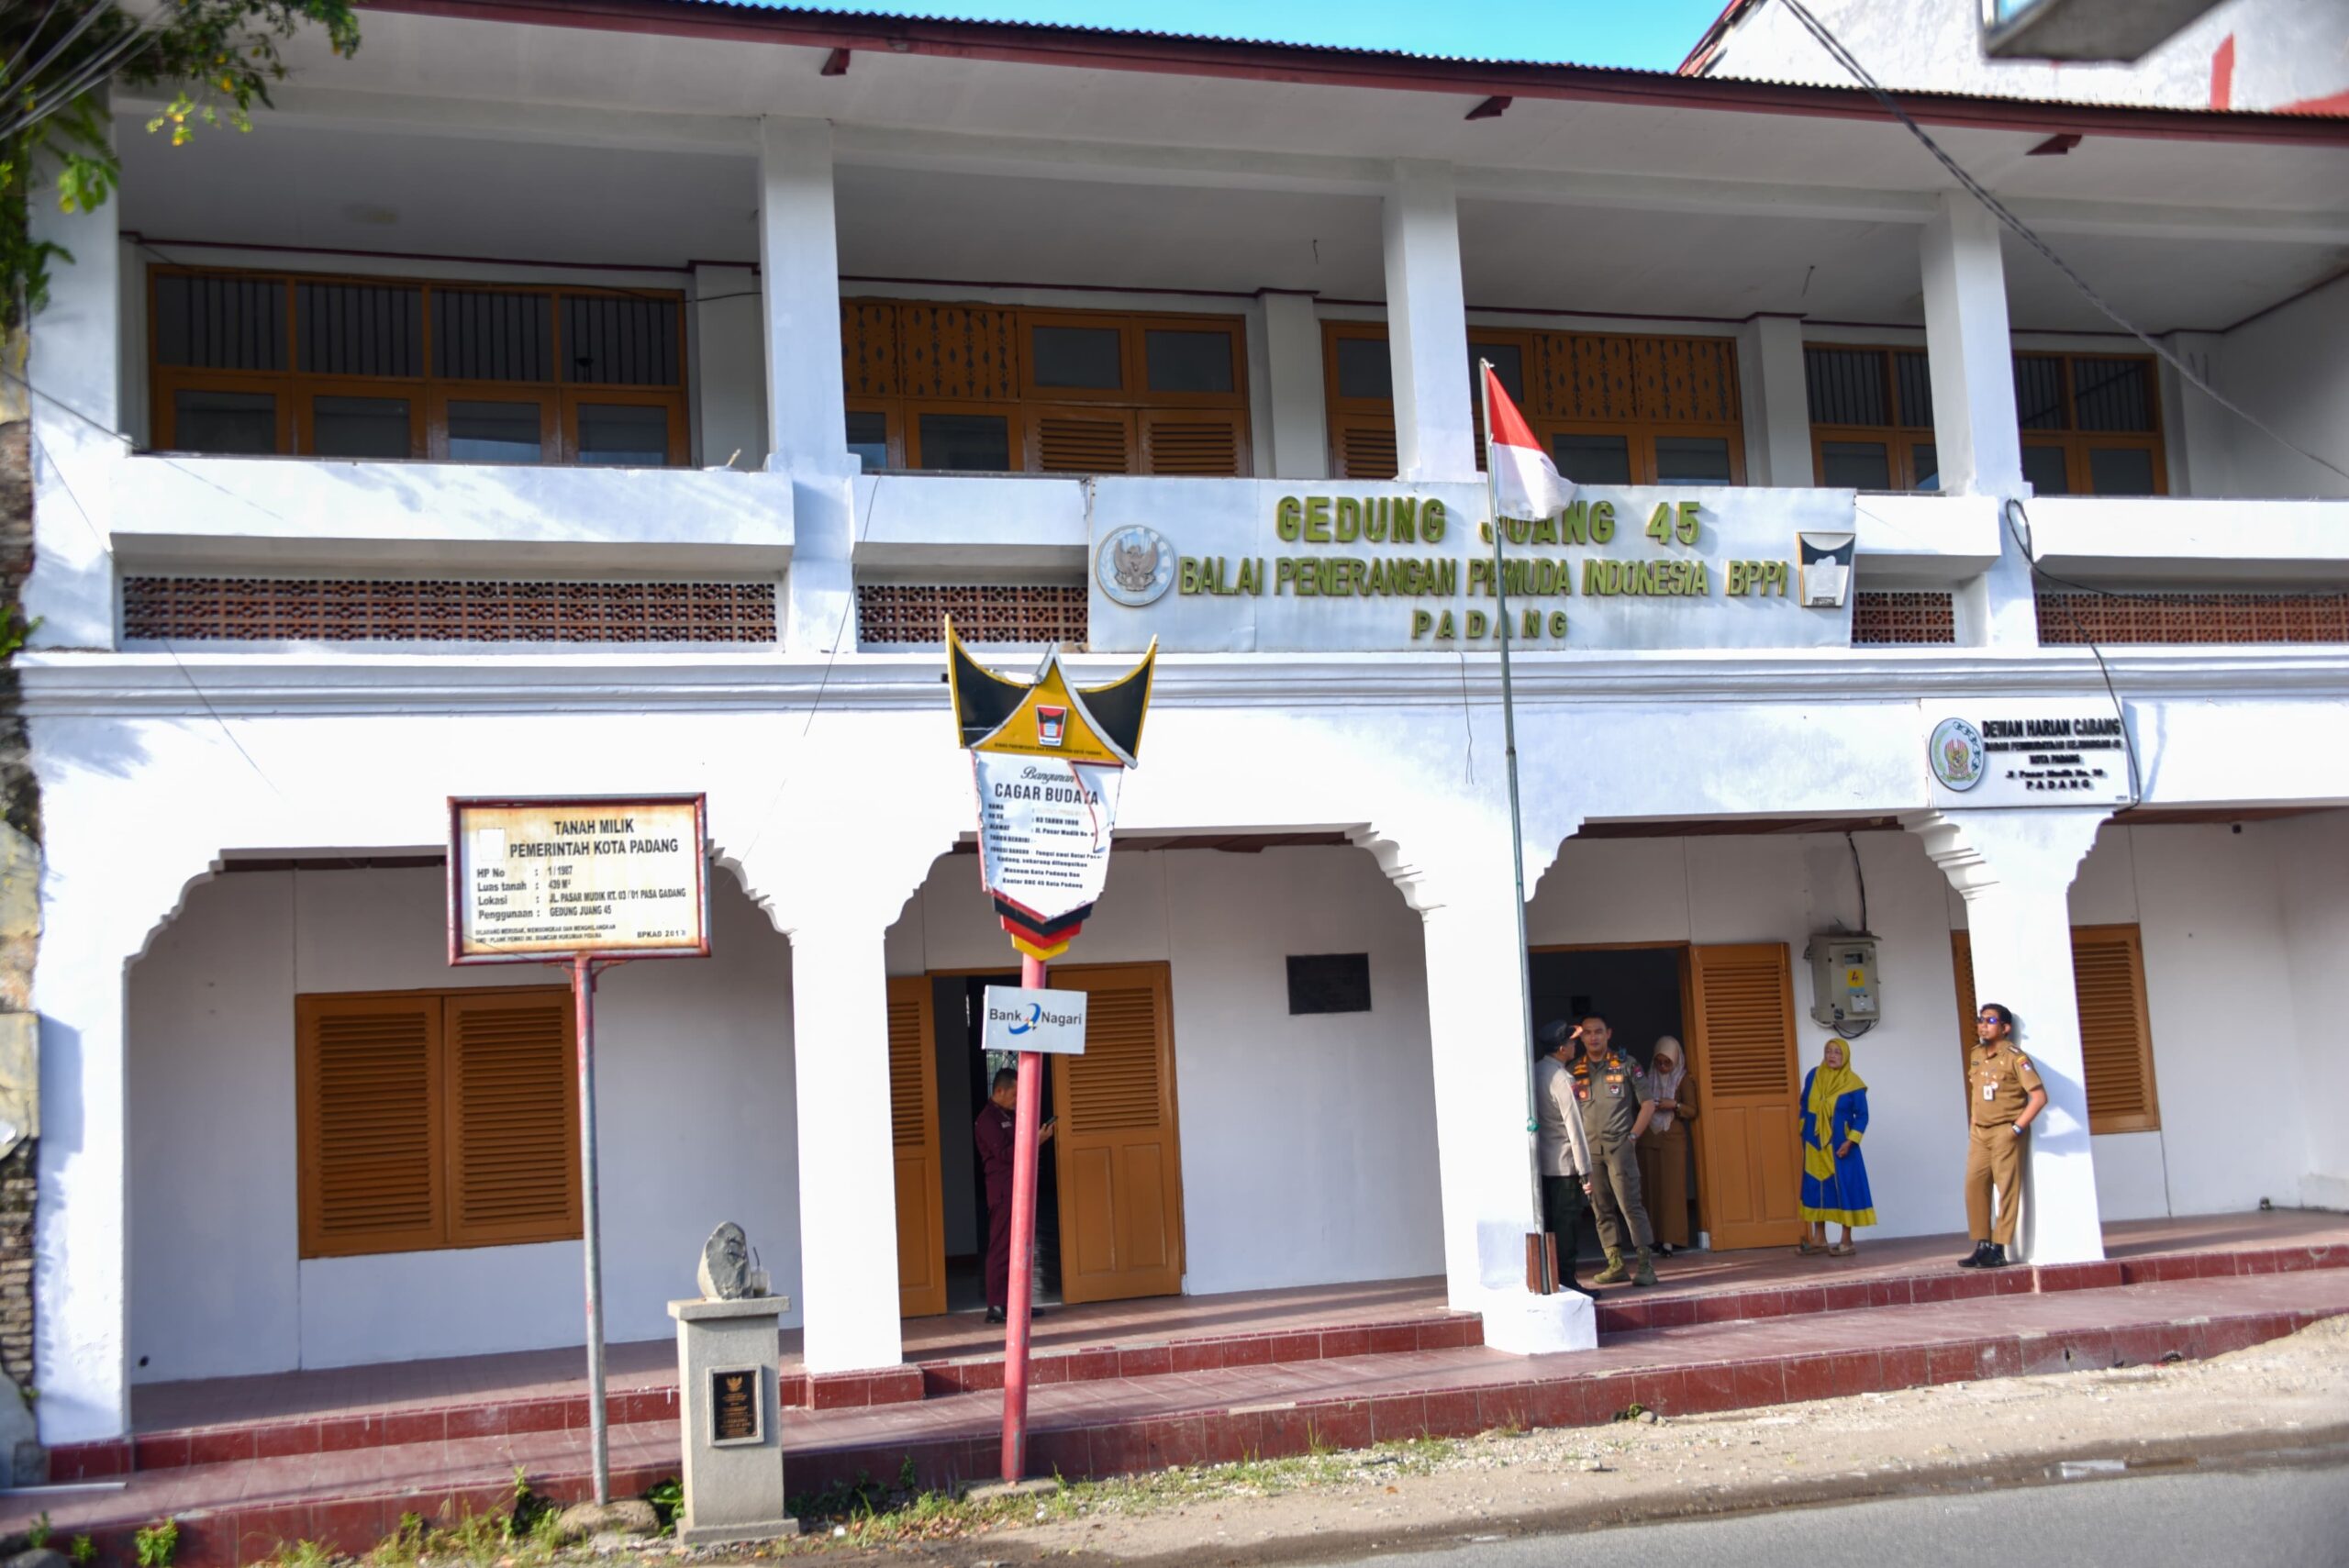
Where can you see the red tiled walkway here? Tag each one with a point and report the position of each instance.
(236, 1512)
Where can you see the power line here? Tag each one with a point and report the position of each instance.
(2023, 231)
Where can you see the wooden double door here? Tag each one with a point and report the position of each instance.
(1738, 1022)
(1117, 1148)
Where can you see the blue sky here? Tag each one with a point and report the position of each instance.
(1651, 34)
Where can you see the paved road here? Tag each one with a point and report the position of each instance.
(2296, 1517)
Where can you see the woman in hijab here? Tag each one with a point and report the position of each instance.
(1834, 1177)
(1664, 1147)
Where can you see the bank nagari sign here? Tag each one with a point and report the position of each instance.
(1273, 566)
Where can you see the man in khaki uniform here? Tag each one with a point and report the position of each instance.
(2003, 1097)
(1613, 1116)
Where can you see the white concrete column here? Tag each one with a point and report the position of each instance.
(1301, 413)
(1777, 395)
(1427, 326)
(2014, 868)
(82, 1236)
(1480, 1053)
(848, 1184)
(730, 367)
(1971, 350)
(1976, 441)
(76, 373)
(807, 415)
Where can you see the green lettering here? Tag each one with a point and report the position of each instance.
(1575, 522)
(1422, 622)
(1287, 515)
(1433, 522)
(1477, 622)
(1558, 625)
(1348, 519)
(1374, 520)
(1316, 520)
(1443, 627)
(1406, 531)
(1602, 522)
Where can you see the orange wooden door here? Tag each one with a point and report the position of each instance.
(1741, 1049)
(1120, 1159)
(913, 1144)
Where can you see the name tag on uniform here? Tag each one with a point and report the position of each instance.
(1990, 1089)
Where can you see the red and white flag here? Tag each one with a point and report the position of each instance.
(1525, 483)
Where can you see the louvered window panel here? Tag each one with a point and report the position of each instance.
(1745, 1029)
(2108, 983)
(1084, 443)
(2039, 393)
(1114, 1085)
(219, 322)
(1913, 375)
(492, 335)
(2113, 395)
(360, 329)
(370, 1148)
(1367, 451)
(1208, 447)
(614, 340)
(907, 1106)
(511, 1122)
(1846, 386)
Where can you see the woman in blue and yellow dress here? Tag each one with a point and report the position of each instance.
(1834, 1177)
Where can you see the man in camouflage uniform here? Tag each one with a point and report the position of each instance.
(1606, 1087)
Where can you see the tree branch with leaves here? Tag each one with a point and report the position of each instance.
(57, 57)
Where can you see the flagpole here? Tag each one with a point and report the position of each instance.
(1516, 821)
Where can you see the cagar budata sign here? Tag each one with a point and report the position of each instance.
(540, 881)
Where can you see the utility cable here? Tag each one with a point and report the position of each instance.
(2012, 510)
(2023, 231)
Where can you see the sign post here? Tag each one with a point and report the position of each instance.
(587, 882)
(1047, 759)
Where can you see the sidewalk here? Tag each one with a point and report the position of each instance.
(244, 1511)
(2272, 1401)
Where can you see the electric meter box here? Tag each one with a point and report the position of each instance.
(1843, 981)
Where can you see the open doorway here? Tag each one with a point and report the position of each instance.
(962, 1059)
(1641, 993)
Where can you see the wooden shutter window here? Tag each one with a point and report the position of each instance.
(369, 1137)
(436, 1120)
(1091, 441)
(2116, 1045)
(513, 1117)
(1365, 448)
(1961, 958)
(2116, 1039)
(914, 1150)
(1202, 445)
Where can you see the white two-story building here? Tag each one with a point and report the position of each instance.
(606, 396)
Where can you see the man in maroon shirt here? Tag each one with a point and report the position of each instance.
(992, 1133)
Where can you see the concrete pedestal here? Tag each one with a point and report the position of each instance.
(733, 1420)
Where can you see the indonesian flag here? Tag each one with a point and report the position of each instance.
(1525, 483)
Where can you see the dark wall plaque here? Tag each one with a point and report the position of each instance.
(735, 1406)
(1329, 982)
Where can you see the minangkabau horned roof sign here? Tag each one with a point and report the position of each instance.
(1047, 758)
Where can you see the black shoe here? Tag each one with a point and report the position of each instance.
(1976, 1257)
(1994, 1257)
(995, 1315)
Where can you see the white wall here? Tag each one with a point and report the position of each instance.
(2287, 367)
(692, 1057)
(2210, 907)
(1309, 1142)
(2312, 867)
